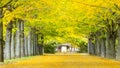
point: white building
(66, 48)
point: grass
(16, 60)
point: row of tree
(15, 42)
(60, 21)
(18, 44)
(105, 40)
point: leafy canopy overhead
(62, 20)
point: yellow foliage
(67, 60)
(61, 16)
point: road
(64, 61)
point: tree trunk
(118, 47)
(18, 47)
(110, 46)
(98, 47)
(32, 42)
(41, 47)
(8, 41)
(26, 46)
(97, 44)
(22, 39)
(103, 47)
(37, 48)
(1, 38)
(13, 46)
(29, 44)
(91, 48)
(35, 44)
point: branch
(117, 6)
(92, 5)
(6, 4)
(0, 1)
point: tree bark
(22, 39)
(29, 44)
(37, 48)
(35, 44)
(41, 49)
(91, 48)
(41, 46)
(103, 47)
(32, 42)
(26, 45)
(8, 41)
(18, 44)
(1, 38)
(110, 46)
(13, 46)
(118, 47)
(97, 44)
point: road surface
(64, 61)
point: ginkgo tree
(3, 4)
(37, 22)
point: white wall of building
(63, 49)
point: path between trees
(64, 61)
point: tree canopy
(62, 20)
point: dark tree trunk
(111, 34)
(37, 48)
(1, 31)
(103, 47)
(35, 44)
(22, 39)
(91, 48)
(118, 47)
(8, 41)
(1, 38)
(110, 46)
(18, 44)
(95, 48)
(13, 46)
(97, 44)
(98, 47)
(41, 47)
(32, 42)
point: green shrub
(49, 49)
(82, 47)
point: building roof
(66, 44)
